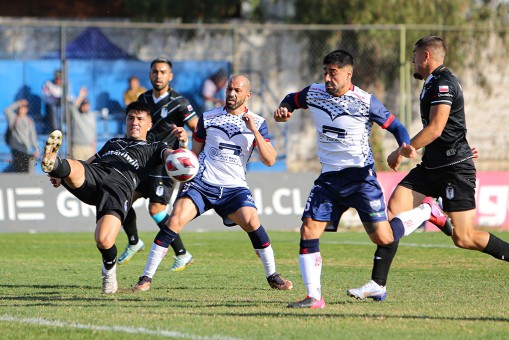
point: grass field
(51, 289)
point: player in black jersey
(169, 109)
(447, 169)
(109, 178)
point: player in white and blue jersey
(343, 115)
(224, 140)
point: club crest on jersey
(164, 112)
(449, 192)
(443, 89)
(375, 205)
(159, 190)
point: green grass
(50, 289)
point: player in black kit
(109, 178)
(447, 169)
(168, 108)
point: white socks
(155, 257)
(266, 255)
(412, 219)
(311, 271)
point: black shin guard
(109, 256)
(382, 262)
(130, 227)
(497, 248)
(178, 246)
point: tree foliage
(189, 11)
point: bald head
(241, 79)
(238, 91)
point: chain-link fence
(279, 59)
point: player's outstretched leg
(51, 150)
(438, 217)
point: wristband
(183, 144)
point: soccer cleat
(143, 284)
(181, 262)
(370, 290)
(110, 285)
(51, 150)
(308, 302)
(129, 252)
(278, 282)
(438, 217)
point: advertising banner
(28, 203)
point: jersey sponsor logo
(443, 88)
(331, 134)
(126, 156)
(227, 153)
(164, 112)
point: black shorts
(106, 189)
(455, 184)
(158, 187)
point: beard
(418, 76)
(332, 91)
(159, 87)
(236, 104)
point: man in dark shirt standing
(447, 169)
(169, 109)
(109, 178)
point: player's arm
(290, 103)
(438, 116)
(266, 151)
(386, 120)
(192, 123)
(199, 135)
(405, 149)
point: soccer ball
(182, 165)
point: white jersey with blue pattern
(343, 124)
(228, 147)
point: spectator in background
(21, 136)
(83, 128)
(213, 90)
(134, 90)
(51, 95)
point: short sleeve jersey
(343, 124)
(173, 109)
(133, 159)
(442, 88)
(228, 147)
